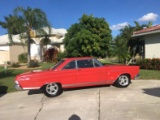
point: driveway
(140, 101)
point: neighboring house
(152, 41)
(55, 41)
(10, 52)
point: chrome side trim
(31, 88)
(86, 83)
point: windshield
(58, 64)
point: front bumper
(17, 86)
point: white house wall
(152, 46)
(35, 51)
(4, 54)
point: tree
(134, 45)
(23, 22)
(90, 37)
(34, 19)
(13, 25)
(120, 49)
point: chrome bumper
(136, 76)
(17, 86)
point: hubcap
(123, 80)
(52, 88)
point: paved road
(140, 101)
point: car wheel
(123, 81)
(52, 89)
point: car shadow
(32, 92)
(3, 90)
(152, 91)
(87, 87)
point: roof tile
(153, 28)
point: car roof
(78, 58)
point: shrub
(22, 58)
(14, 65)
(150, 64)
(50, 55)
(61, 55)
(8, 63)
(34, 63)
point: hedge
(150, 64)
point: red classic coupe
(76, 72)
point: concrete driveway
(140, 101)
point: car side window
(97, 63)
(70, 65)
(85, 63)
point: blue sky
(64, 13)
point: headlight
(16, 82)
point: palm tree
(140, 27)
(120, 49)
(13, 25)
(34, 19)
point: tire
(52, 89)
(123, 81)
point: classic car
(76, 72)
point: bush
(34, 63)
(150, 64)
(50, 55)
(14, 65)
(22, 58)
(61, 55)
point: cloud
(119, 26)
(149, 17)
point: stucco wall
(16, 50)
(152, 46)
(4, 54)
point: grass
(7, 79)
(149, 74)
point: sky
(64, 13)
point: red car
(76, 72)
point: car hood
(31, 73)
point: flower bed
(150, 64)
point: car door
(87, 73)
(68, 74)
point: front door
(87, 73)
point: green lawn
(7, 79)
(150, 74)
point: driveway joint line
(40, 108)
(99, 104)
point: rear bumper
(136, 76)
(17, 86)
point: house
(151, 37)
(10, 52)
(54, 38)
